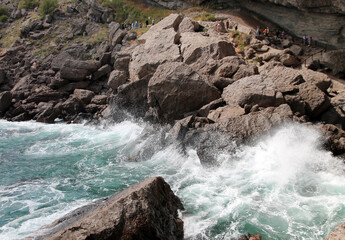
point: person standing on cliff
(258, 31)
(304, 40)
(310, 41)
(283, 34)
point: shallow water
(283, 187)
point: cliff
(323, 20)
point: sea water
(285, 186)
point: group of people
(266, 32)
(135, 25)
(307, 40)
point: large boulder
(156, 46)
(316, 101)
(76, 70)
(334, 60)
(188, 25)
(224, 136)
(198, 49)
(132, 97)
(84, 95)
(254, 90)
(176, 89)
(76, 51)
(146, 210)
(116, 79)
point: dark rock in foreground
(146, 210)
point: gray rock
(76, 70)
(176, 89)
(297, 50)
(99, 99)
(103, 71)
(251, 91)
(146, 210)
(84, 95)
(5, 101)
(116, 79)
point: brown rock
(224, 113)
(245, 71)
(116, 79)
(289, 60)
(99, 99)
(77, 70)
(338, 233)
(5, 101)
(205, 110)
(156, 46)
(84, 95)
(146, 210)
(176, 89)
(188, 25)
(316, 101)
(104, 70)
(251, 91)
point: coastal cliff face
(323, 20)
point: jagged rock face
(146, 210)
(326, 6)
(174, 4)
(323, 27)
(324, 20)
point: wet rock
(5, 101)
(176, 89)
(338, 233)
(72, 106)
(133, 97)
(336, 139)
(45, 95)
(146, 210)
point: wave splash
(283, 187)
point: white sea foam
(283, 187)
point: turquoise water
(283, 187)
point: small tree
(29, 4)
(47, 7)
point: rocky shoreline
(207, 90)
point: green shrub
(3, 18)
(3, 11)
(47, 7)
(205, 17)
(29, 4)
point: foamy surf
(283, 187)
